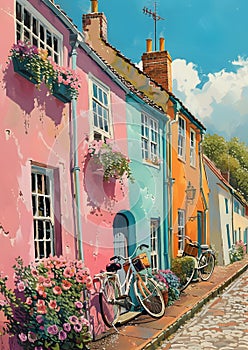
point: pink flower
(29, 301)
(66, 285)
(84, 321)
(52, 304)
(41, 307)
(69, 272)
(67, 327)
(77, 327)
(79, 305)
(22, 337)
(21, 286)
(32, 337)
(57, 290)
(62, 335)
(39, 318)
(73, 319)
(53, 329)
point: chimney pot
(94, 5)
(148, 45)
(161, 44)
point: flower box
(62, 92)
(20, 67)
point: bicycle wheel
(184, 269)
(109, 310)
(149, 296)
(206, 265)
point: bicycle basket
(191, 249)
(141, 262)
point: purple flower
(53, 329)
(77, 327)
(39, 318)
(22, 337)
(62, 335)
(78, 304)
(38, 348)
(73, 319)
(67, 327)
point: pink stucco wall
(35, 128)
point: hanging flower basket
(62, 92)
(22, 67)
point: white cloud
(221, 103)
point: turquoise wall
(148, 193)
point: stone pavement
(147, 333)
(222, 324)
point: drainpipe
(201, 188)
(166, 262)
(79, 234)
(170, 179)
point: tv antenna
(155, 17)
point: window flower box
(62, 92)
(23, 68)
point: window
(192, 147)
(149, 139)
(42, 202)
(30, 26)
(181, 229)
(100, 105)
(226, 205)
(181, 138)
(154, 230)
(228, 236)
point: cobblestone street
(222, 324)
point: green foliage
(45, 310)
(182, 267)
(114, 163)
(229, 156)
(237, 251)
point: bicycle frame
(126, 285)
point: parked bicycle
(145, 288)
(202, 263)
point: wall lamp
(190, 192)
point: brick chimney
(95, 23)
(157, 64)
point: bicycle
(201, 265)
(146, 291)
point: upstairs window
(226, 205)
(181, 138)
(32, 27)
(43, 220)
(100, 106)
(149, 139)
(192, 148)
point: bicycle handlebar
(120, 257)
(189, 239)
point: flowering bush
(46, 309)
(161, 281)
(113, 162)
(237, 251)
(173, 283)
(43, 68)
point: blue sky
(207, 42)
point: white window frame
(149, 139)
(192, 148)
(154, 232)
(100, 107)
(25, 33)
(181, 138)
(43, 218)
(181, 230)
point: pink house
(53, 201)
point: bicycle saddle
(113, 267)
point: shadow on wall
(25, 94)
